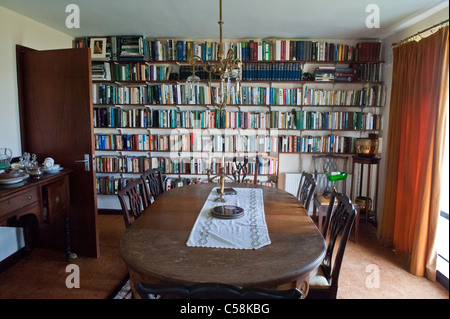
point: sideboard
(41, 207)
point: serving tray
(227, 212)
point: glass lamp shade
(336, 176)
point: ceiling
(320, 19)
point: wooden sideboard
(41, 207)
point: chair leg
(320, 221)
(357, 223)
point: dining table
(173, 241)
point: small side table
(369, 161)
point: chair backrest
(240, 169)
(213, 291)
(132, 200)
(329, 163)
(340, 217)
(306, 189)
(153, 182)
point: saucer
(52, 169)
(14, 180)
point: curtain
(418, 106)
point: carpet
(123, 290)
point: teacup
(49, 162)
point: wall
(18, 29)
(387, 78)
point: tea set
(26, 167)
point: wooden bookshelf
(144, 96)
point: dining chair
(322, 165)
(212, 291)
(240, 169)
(306, 189)
(338, 223)
(257, 166)
(153, 182)
(132, 200)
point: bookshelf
(295, 97)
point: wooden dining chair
(306, 189)
(132, 200)
(241, 169)
(322, 165)
(153, 182)
(212, 291)
(338, 223)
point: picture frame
(98, 48)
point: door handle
(85, 161)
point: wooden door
(55, 101)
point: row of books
(254, 71)
(122, 164)
(356, 72)
(122, 142)
(370, 72)
(185, 143)
(184, 94)
(255, 50)
(114, 94)
(251, 71)
(130, 71)
(232, 94)
(294, 119)
(135, 47)
(111, 185)
(189, 142)
(185, 165)
(374, 95)
(317, 144)
(368, 51)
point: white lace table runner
(247, 232)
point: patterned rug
(123, 290)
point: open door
(55, 102)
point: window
(442, 266)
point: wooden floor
(44, 275)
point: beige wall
(18, 29)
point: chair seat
(319, 281)
(322, 200)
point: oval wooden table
(155, 251)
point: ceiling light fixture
(225, 68)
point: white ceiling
(320, 19)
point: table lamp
(336, 176)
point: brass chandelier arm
(223, 67)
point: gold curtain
(418, 106)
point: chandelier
(225, 68)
